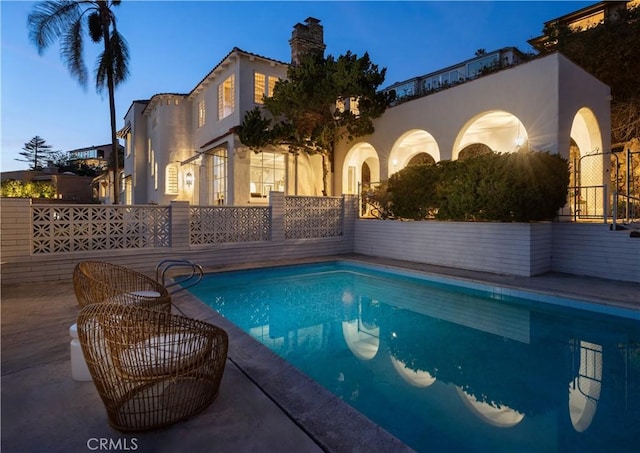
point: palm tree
(66, 20)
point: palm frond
(49, 20)
(71, 47)
(120, 54)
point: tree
(66, 20)
(322, 101)
(36, 153)
(611, 52)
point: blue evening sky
(173, 45)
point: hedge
(517, 187)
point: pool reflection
(453, 373)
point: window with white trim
(220, 176)
(263, 86)
(226, 97)
(268, 172)
(171, 179)
(202, 113)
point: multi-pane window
(172, 179)
(202, 113)
(220, 176)
(226, 97)
(263, 86)
(268, 171)
(259, 87)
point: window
(263, 86)
(272, 85)
(172, 179)
(259, 87)
(155, 177)
(219, 176)
(128, 192)
(226, 97)
(127, 143)
(353, 106)
(202, 113)
(267, 174)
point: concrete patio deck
(264, 404)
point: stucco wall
(504, 248)
(544, 94)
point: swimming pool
(448, 368)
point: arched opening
(361, 165)
(409, 146)
(498, 130)
(587, 161)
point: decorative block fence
(45, 242)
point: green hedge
(517, 187)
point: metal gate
(589, 199)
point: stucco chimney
(306, 38)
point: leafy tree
(68, 21)
(36, 153)
(323, 101)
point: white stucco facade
(184, 146)
(543, 104)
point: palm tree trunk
(106, 22)
(114, 139)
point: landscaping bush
(517, 187)
(30, 189)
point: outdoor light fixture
(519, 141)
(188, 179)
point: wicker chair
(151, 368)
(98, 282)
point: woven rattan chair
(151, 368)
(99, 282)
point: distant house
(583, 19)
(72, 187)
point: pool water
(443, 367)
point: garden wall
(506, 248)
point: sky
(174, 44)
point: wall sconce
(188, 179)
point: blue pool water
(447, 368)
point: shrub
(12, 188)
(518, 187)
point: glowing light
(188, 179)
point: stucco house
(183, 146)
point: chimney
(306, 38)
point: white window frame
(226, 97)
(171, 179)
(202, 113)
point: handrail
(196, 273)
